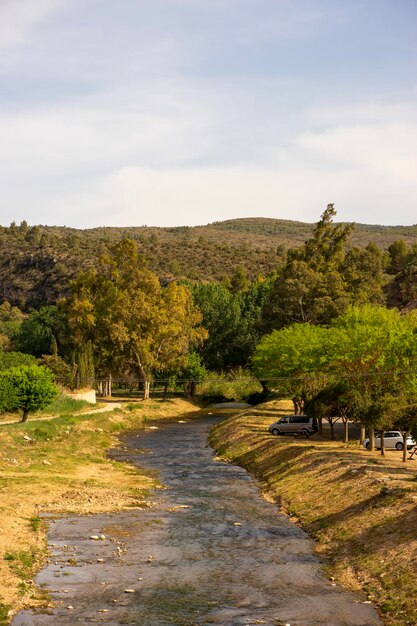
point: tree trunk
(382, 443)
(372, 439)
(265, 388)
(331, 424)
(320, 425)
(146, 389)
(362, 435)
(345, 431)
(25, 415)
(165, 391)
(193, 388)
(110, 385)
(404, 459)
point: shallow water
(208, 550)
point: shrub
(238, 384)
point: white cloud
(18, 17)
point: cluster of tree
(362, 367)
(37, 262)
(119, 318)
(322, 278)
(129, 321)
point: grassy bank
(60, 466)
(361, 509)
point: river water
(207, 550)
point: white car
(392, 439)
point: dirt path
(109, 407)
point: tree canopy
(130, 319)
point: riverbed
(204, 549)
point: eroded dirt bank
(208, 549)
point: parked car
(295, 424)
(392, 439)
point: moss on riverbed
(60, 466)
(361, 509)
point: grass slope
(360, 508)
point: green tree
(38, 333)
(192, 374)
(364, 274)
(239, 280)
(10, 320)
(130, 319)
(375, 350)
(15, 359)
(233, 322)
(63, 373)
(83, 365)
(31, 388)
(310, 288)
(332, 404)
(294, 360)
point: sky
(186, 112)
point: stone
(129, 591)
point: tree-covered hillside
(36, 262)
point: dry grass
(360, 508)
(60, 466)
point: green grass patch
(4, 614)
(23, 562)
(64, 405)
(36, 523)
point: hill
(37, 262)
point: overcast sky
(172, 112)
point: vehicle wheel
(305, 432)
(368, 446)
(275, 431)
(399, 446)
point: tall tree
(311, 286)
(130, 319)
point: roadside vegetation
(360, 508)
(60, 466)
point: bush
(29, 388)
(238, 384)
